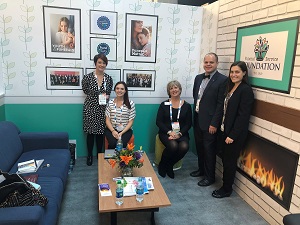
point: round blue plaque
(103, 48)
(103, 22)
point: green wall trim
(2, 113)
(68, 117)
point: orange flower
(130, 146)
(126, 159)
(112, 162)
(141, 160)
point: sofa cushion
(59, 160)
(52, 188)
(10, 145)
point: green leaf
(28, 29)
(176, 20)
(170, 20)
(8, 30)
(33, 64)
(7, 19)
(11, 65)
(176, 71)
(178, 32)
(31, 83)
(30, 19)
(173, 61)
(3, 6)
(139, 7)
(23, 8)
(24, 82)
(28, 39)
(174, 51)
(31, 74)
(33, 55)
(5, 42)
(24, 18)
(9, 87)
(177, 41)
(26, 54)
(6, 53)
(30, 9)
(12, 75)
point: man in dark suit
(208, 94)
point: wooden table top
(155, 199)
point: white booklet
(131, 183)
(29, 166)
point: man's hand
(212, 130)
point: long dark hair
(126, 98)
(244, 68)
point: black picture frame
(107, 46)
(139, 80)
(103, 22)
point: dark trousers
(90, 139)
(206, 145)
(231, 153)
(112, 141)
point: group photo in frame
(270, 67)
(107, 46)
(103, 22)
(141, 38)
(63, 78)
(62, 32)
(139, 80)
(114, 73)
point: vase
(127, 171)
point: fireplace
(270, 167)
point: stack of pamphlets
(29, 166)
(105, 189)
(132, 182)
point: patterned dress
(93, 112)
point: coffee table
(152, 202)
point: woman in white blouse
(119, 116)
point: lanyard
(178, 110)
(117, 112)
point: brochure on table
(131, 184)
(105, 189)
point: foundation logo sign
(261, 48)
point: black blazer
(163, 118)
(238, 111)
(211, 104)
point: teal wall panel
(68, 117)
(2, 112)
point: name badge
(167, 103)
(102, 99)
(175, 127)
(120, 127)
(197, 106)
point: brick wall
(238, 13)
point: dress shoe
(162, 170)
(196, 173)
(204, 182)
(170, 172)
(89, 160)
(221, 193)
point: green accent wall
(2, 113)
(68, 117)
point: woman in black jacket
(238, 105)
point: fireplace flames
(266, 178)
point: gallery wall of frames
(48, 48)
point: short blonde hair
(172, 84)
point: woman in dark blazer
(174, 119)
(238, 105)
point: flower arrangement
(127, 158)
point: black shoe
(162, 170)
(221, 193)
(204, 182)
(89, 160)
(196, 173)
(170, 172)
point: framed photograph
(103, 22)
(62, 32)
(107, 46)
(141, 38)
(270, 66)
(114, 73)
(139, 80)
(63, 78)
